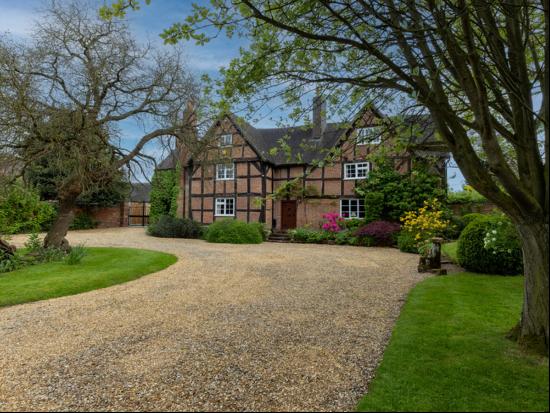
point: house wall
(254, 179)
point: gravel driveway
(257, 327)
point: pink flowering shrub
(379, 232)
(334, 222)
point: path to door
(228, 327)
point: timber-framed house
(248, 169)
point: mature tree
(477, 67)
(63, 93)
(46, 174)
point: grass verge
(100, 268)
(449, 249)
(448, 351)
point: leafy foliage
(261, 228)
(389, 194)
(334, 222)
(166, 226)
(75, 255)
(232, 231)
(466, 219)
(466, 196)
(164, 193)
(46, 174)
(426, 222)
(22, 211)
(382, 233)
(490, 244)
(309, 235)
(406, 242)
(83, 220)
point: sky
(17, 18)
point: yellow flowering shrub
(427, 222)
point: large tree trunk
(56, 234)
(532, 329)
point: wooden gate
(138, 214)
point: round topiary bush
(490, 244)
(233, 232)
(169, 227)
(466, 219)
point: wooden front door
(288, 214)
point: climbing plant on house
(164, 194)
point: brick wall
(108, 217)
(483, 208)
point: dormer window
(369, 136)
(226, 139)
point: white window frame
(224, 173)
(221, 207)
(353, 209)
(364, 135)
(358, 166)
(224, 139)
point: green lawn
(449, 249)
(101, 267)
(448, 351)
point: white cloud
(207, 62)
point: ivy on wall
(164, 194)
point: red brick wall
(463, 209)
(108, 217)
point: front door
(288, 214)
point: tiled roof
(141, 192)
(303, 148)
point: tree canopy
(478, 68)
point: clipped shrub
(83, 220)
(232, 231)
(167, 226)
(406, 242)
(381, 233)
(490, 244)
(264, 232)
(466, 219)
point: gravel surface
(281, 327)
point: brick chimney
(189, 131)
(319, 115)
(183, 148)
